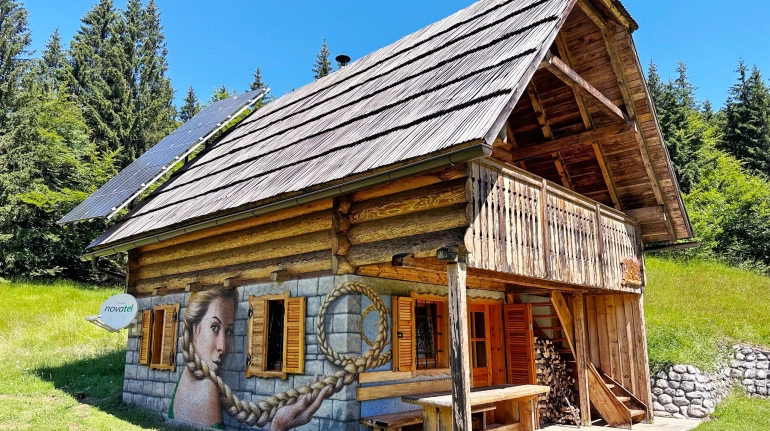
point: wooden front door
(480, 348)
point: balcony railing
(571, 239)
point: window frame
(155, 337)
(256, 354)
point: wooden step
(636, 415)
(623, 400)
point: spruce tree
(221, 93)
(16, 38)
(257, 84)
(322, 65)
(191, 106)
(53, 62)
(746, 129)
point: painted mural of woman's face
(212, 335)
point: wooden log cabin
(408, 225)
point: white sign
(116, 312)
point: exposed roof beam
(603, 134)
(585, 113)
(648, 214)
(607, 174)
(675, 246)
(566, 181)
(537, 105)
(556, 66)
(607, 29)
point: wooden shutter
(257, 336)
(165, 333)
(403, 334)
(520, 343)
(145, 337)
(294, 336)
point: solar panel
(150, 166)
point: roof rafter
(537, 105)
(585, 113)
(606, 134)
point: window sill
(267, 374)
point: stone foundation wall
(684, 391)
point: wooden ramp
(616, 405)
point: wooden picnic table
(513, 407)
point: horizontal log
(648, 214)
(308, 223)
(602, 135)
(409, 183)
(424, 245)
(242, 224)
(410, 224)
(434, 196)
(422, 276)
(251, 271)
(291, 246)
(397, 390)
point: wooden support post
(600, 245)
(458, 335)
(566, 181)
(607, 174)
(585, 113)
(537, 105)
(581, 358)
(641, 358)
(544, 228)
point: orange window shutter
(294, 336)
(520, 343)
(256, 336)
(403, 334)
(168, 334)
(145, 337)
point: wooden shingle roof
(448, 86)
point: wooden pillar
(581, 358)
(458, 334)
(644, 392)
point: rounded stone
(672, 408)
(696, 402)
(679, 416)
(670, 392)
(664, 399)
(674, 385)
(661, 375)
(680, 369)
(657, 391)
(697, 412)
(688, 386)
(763, 365)
(681, 401)
(694, 394)
(762, 382)
(747, 351)
(708, 404)
(751, 357)
(761, 356)
(656, 406)
(672, 376)
(761, 374)
(679, 393)
(687, 377)
(751, 389)
(762, 390)
(749, 365)
(692, 370)
(739, 356)
(661, 383)
(748, 382)
(750, 374)
(736, 373)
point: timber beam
(537, 106)
(606, 134)
(648, 214)
(560, 69)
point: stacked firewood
(559, 406)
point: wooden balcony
(570, 239)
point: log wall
(527, 226)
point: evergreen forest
(76, 113)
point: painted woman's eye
(229, 332)
(215, 328)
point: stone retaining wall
(684, 391)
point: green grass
(694, 307)
(48, 352)
(739, 412)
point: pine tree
(221, 93)
(746, 132)
(16, 38)
(191, 106)
(685, 129)
(53, 63)
(322, 65)
(257, 84)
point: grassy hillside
(48, 352)
(692, 307)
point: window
(420, 331)
(276, 336)
(157, 342)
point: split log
(559, 405)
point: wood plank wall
(571, 239)
(614, 342)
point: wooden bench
(397, 421)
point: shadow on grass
(100, 378)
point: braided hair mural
(204, 349)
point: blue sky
(213, 43)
